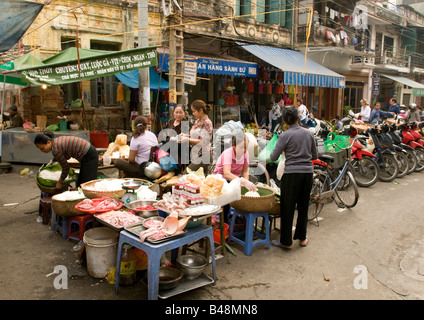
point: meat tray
(118, 229)
(137, 228)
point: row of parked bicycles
(371, 153)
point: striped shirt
(66, 147)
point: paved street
(373, 251)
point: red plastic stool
(78, 225)
(45, 209)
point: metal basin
(192, 265)
(143, 213)
(152, 218)
(169, 278)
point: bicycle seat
(326, 158)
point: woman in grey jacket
(298, 146)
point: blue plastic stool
(248, 242)
(60, 224)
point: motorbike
(409, 139)
(401, 154)
(410, 153)
(386, 157)
(364, 165)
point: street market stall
(181, 217)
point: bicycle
(333, 179)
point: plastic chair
(249, 232)
(77, 225)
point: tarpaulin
(16, 17)
(130, 79)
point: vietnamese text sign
(190, 72)
(92, 67)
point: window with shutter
(260, 8)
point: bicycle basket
(337, 144)
(340, 157)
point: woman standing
(65, 147)
(200, 137)
(299, 148)
(365, 111)
(141, 144)
(177, 125)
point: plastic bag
(265, 154)
(280, 167)
(168, 163)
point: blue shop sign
(216, 66)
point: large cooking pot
(152, 170)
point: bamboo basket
(92, 194)
(50, 190)
(66, 208)
(275, 211)
(264, 203)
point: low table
(155, 251)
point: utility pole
(176, 53)
(143, 73)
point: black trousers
(89, 165)
(295, 192)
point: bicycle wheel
(319, 185)
(365, 171)
(412, 161)
(347, 191)
(420, 159)
(403, 164)
(390, 172)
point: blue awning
(295, 71)
(215, 66)
(130, 79)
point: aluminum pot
(169, 278)
(142, 203)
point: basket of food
(47, 177)
(103, 188)
(64, 203)
(262, 200)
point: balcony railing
(389, 58)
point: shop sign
(190, 72)
(92, 67)
(418, 92)
(216, 66)
(376, 84)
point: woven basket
(50, 190)
(265, 203)
(275, 211)
(91, 194)
(66, 208)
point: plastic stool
(60, 224)
(248, 242)
(45, 209)
(78, 225)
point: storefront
(224, 83)
(291, 74)
(406, 91)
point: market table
(155, 251)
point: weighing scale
(130, 195)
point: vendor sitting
(14, 117)
(234, 162)
(141, 144)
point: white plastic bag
(280, 168)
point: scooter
(409, 139)
(401, 154)
(410, 153)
